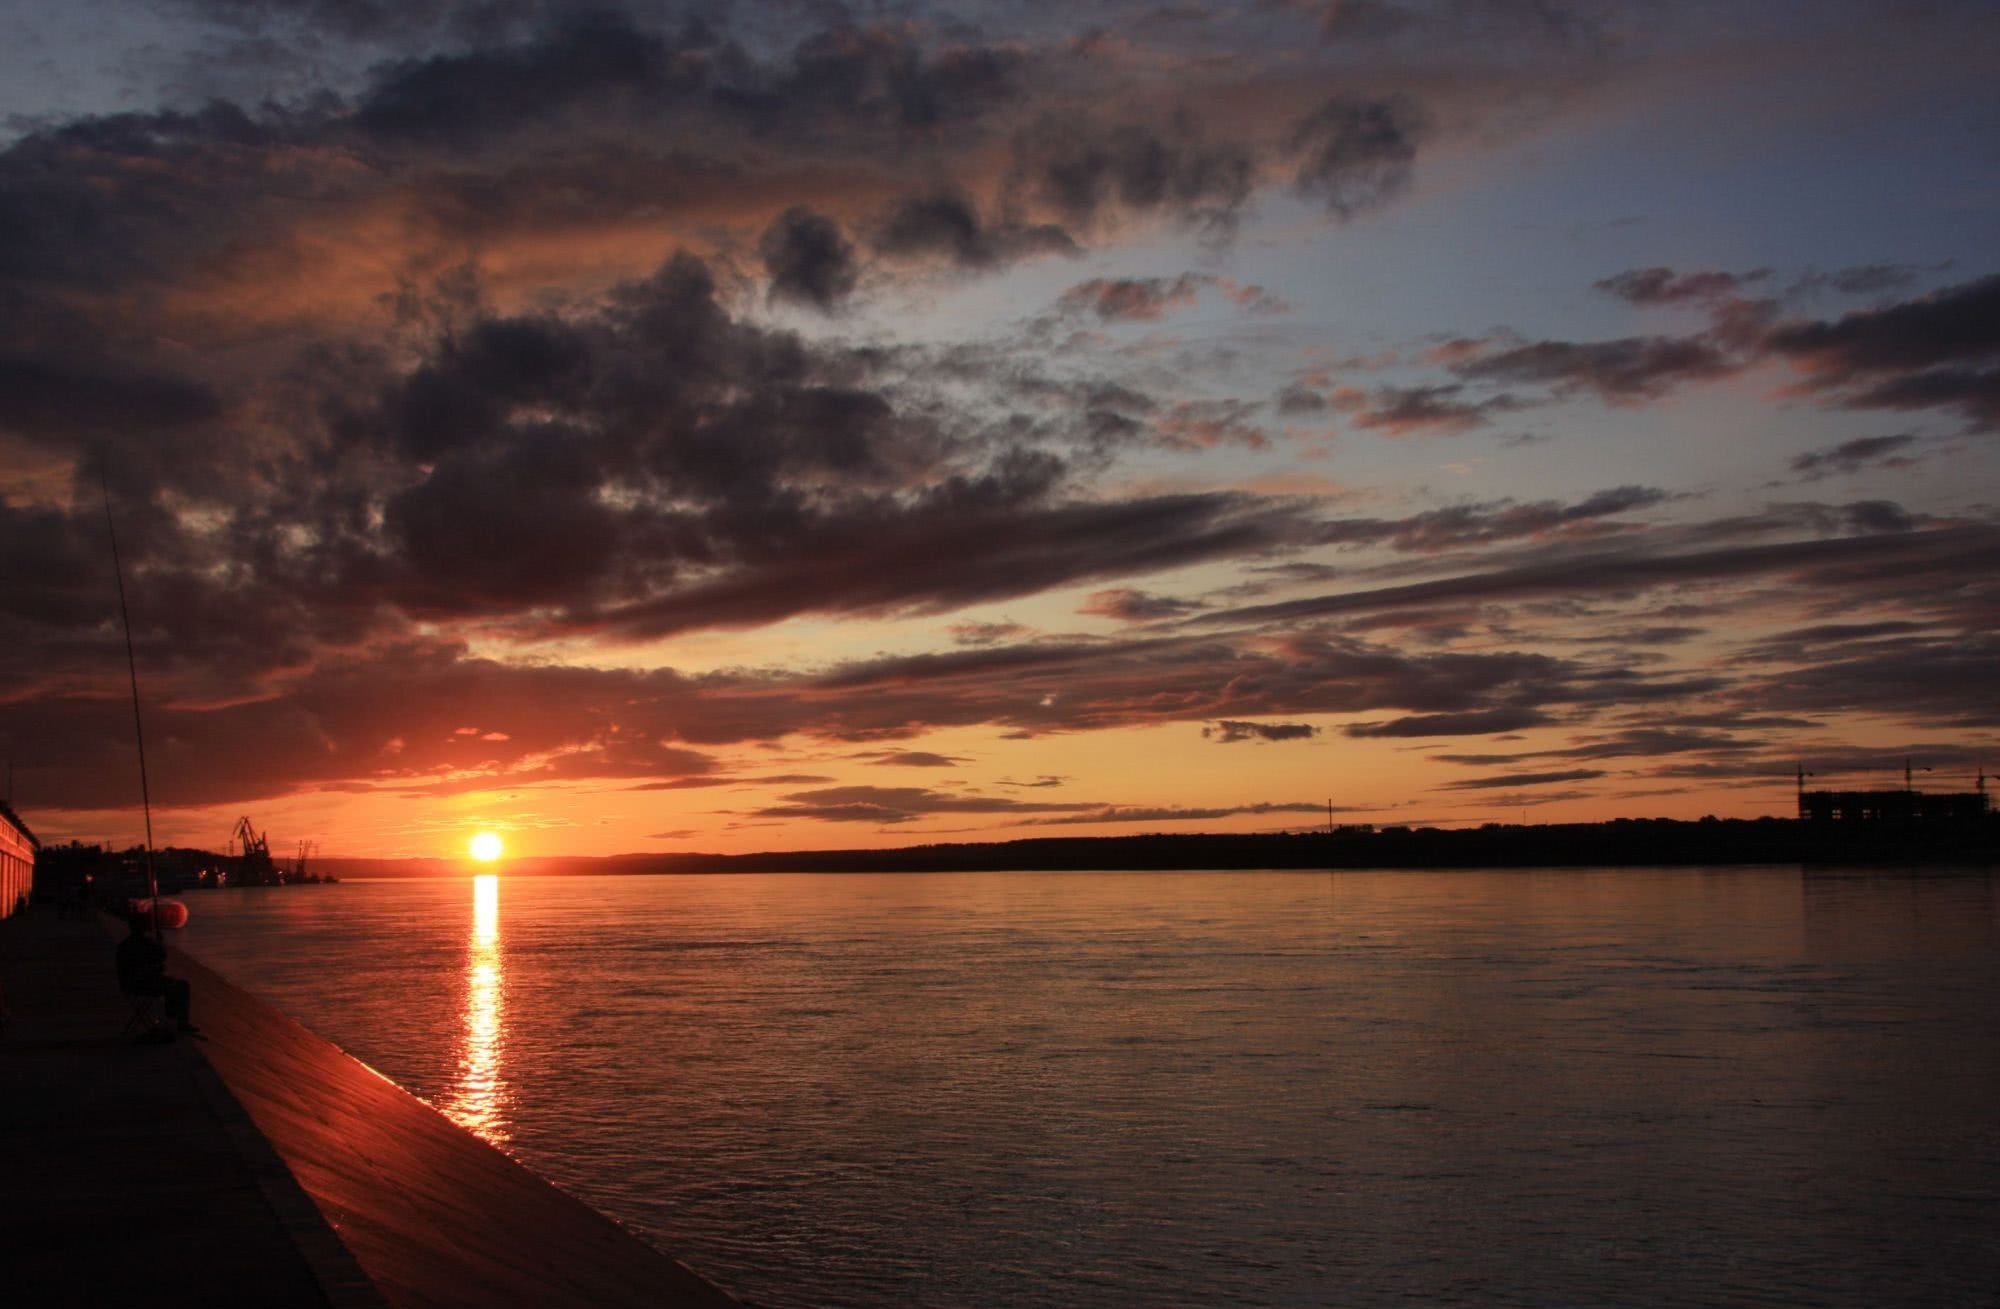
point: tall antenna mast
(138, 728)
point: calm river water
(1594, 1087)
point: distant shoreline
(1622, 842)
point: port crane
(252, 851)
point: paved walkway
(125, 1177)
(257, 1164)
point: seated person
(142, 970)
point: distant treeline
(1624, 841)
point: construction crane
(253, 856)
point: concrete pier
(258, 1164)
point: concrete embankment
(260, 1164)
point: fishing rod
(138, 727)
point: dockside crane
(253, 856)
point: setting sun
(486, 847)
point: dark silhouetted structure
(254, 865)
(17, 860)
(1908, 808)
(1892, 808)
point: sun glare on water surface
(486, 847)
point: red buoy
(172, 912)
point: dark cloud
(131, 200)
(1589, 26)
(1229, 731)
(458, 532)
(69, 401)
(1367, 20)
(947, 225)
(603, 64)
(398, 719)
(972, 633)
(898, 804)
(1954, 326)
(1130, 606)
(1853, 456)
(1415, 410)
(1623, 371)
(1935, 679)
(959, 546)
(881, 72)
(1939, 351)
(808, 259)
(1948, 553)
(1299, 401)
(1880, 516)
(1836, 643)
(379, 361)
(1459, 526)
(596, 57)
(375, 19)
(1082, 685)
(1632, 636)
(1115, 415)
(1084, 169)
(389, 720)
(1659, 286)
(1355, 154)
(1175, 814)
(915, 759)
(893, 805)
(1477, 723)
(1799, 637)
(1646, 742)
(662, 395)
(1521, 779)
(1864, 279)
(556, 127)
(645, 464)
(1973, 392)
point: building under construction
(1905, 808)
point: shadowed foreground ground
(296, 1176)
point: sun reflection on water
(479, 1097)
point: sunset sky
(689, 426)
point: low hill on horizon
(1624, 841)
